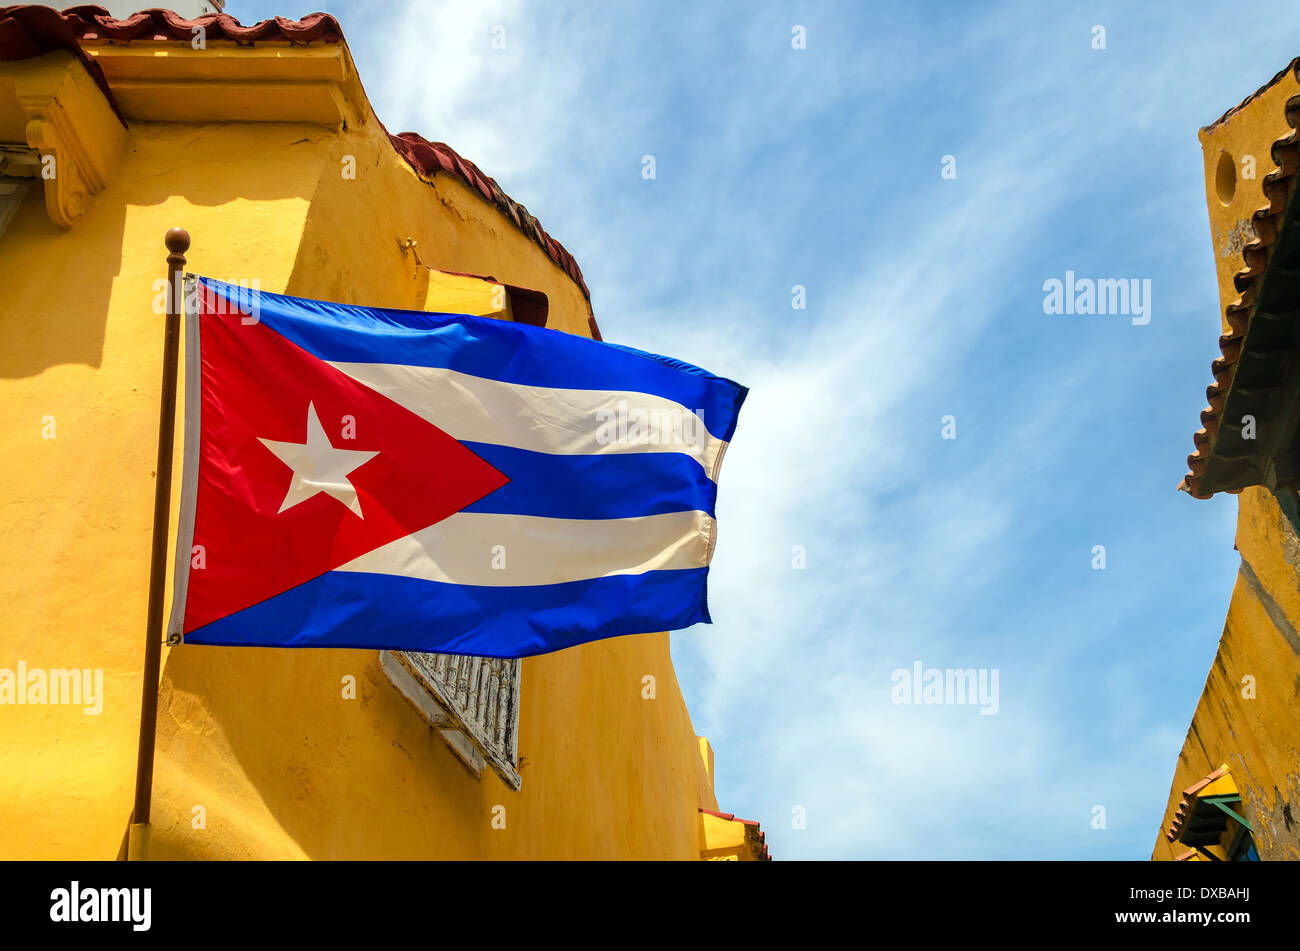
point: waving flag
(358, 477)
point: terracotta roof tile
(1267, 221)
(27, 31)
(1184, 810)
(95, 23)
(429, 158)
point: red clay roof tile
(1184, 810)
(1266, 220)
(429, 158)
(95, 23)
(29, 31)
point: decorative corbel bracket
(75, 136)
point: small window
(453, 292)
(473, 703)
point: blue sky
(821, 167)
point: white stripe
(463, 548)
(189, 465)
(541, 418)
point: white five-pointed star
(318, 466)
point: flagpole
(177, 241)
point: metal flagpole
(137, 849)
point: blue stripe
(495, 349)
(616, 485)
(351, 609)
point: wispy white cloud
(917, 548)
(494, 80)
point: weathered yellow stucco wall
(1249, 713)
(1237, 154)
(262, 739)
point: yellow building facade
(1237, 781)
(262, 144)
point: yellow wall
(1259, 737)
(262, 738)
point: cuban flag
(369, 478)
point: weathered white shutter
(473, 702)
